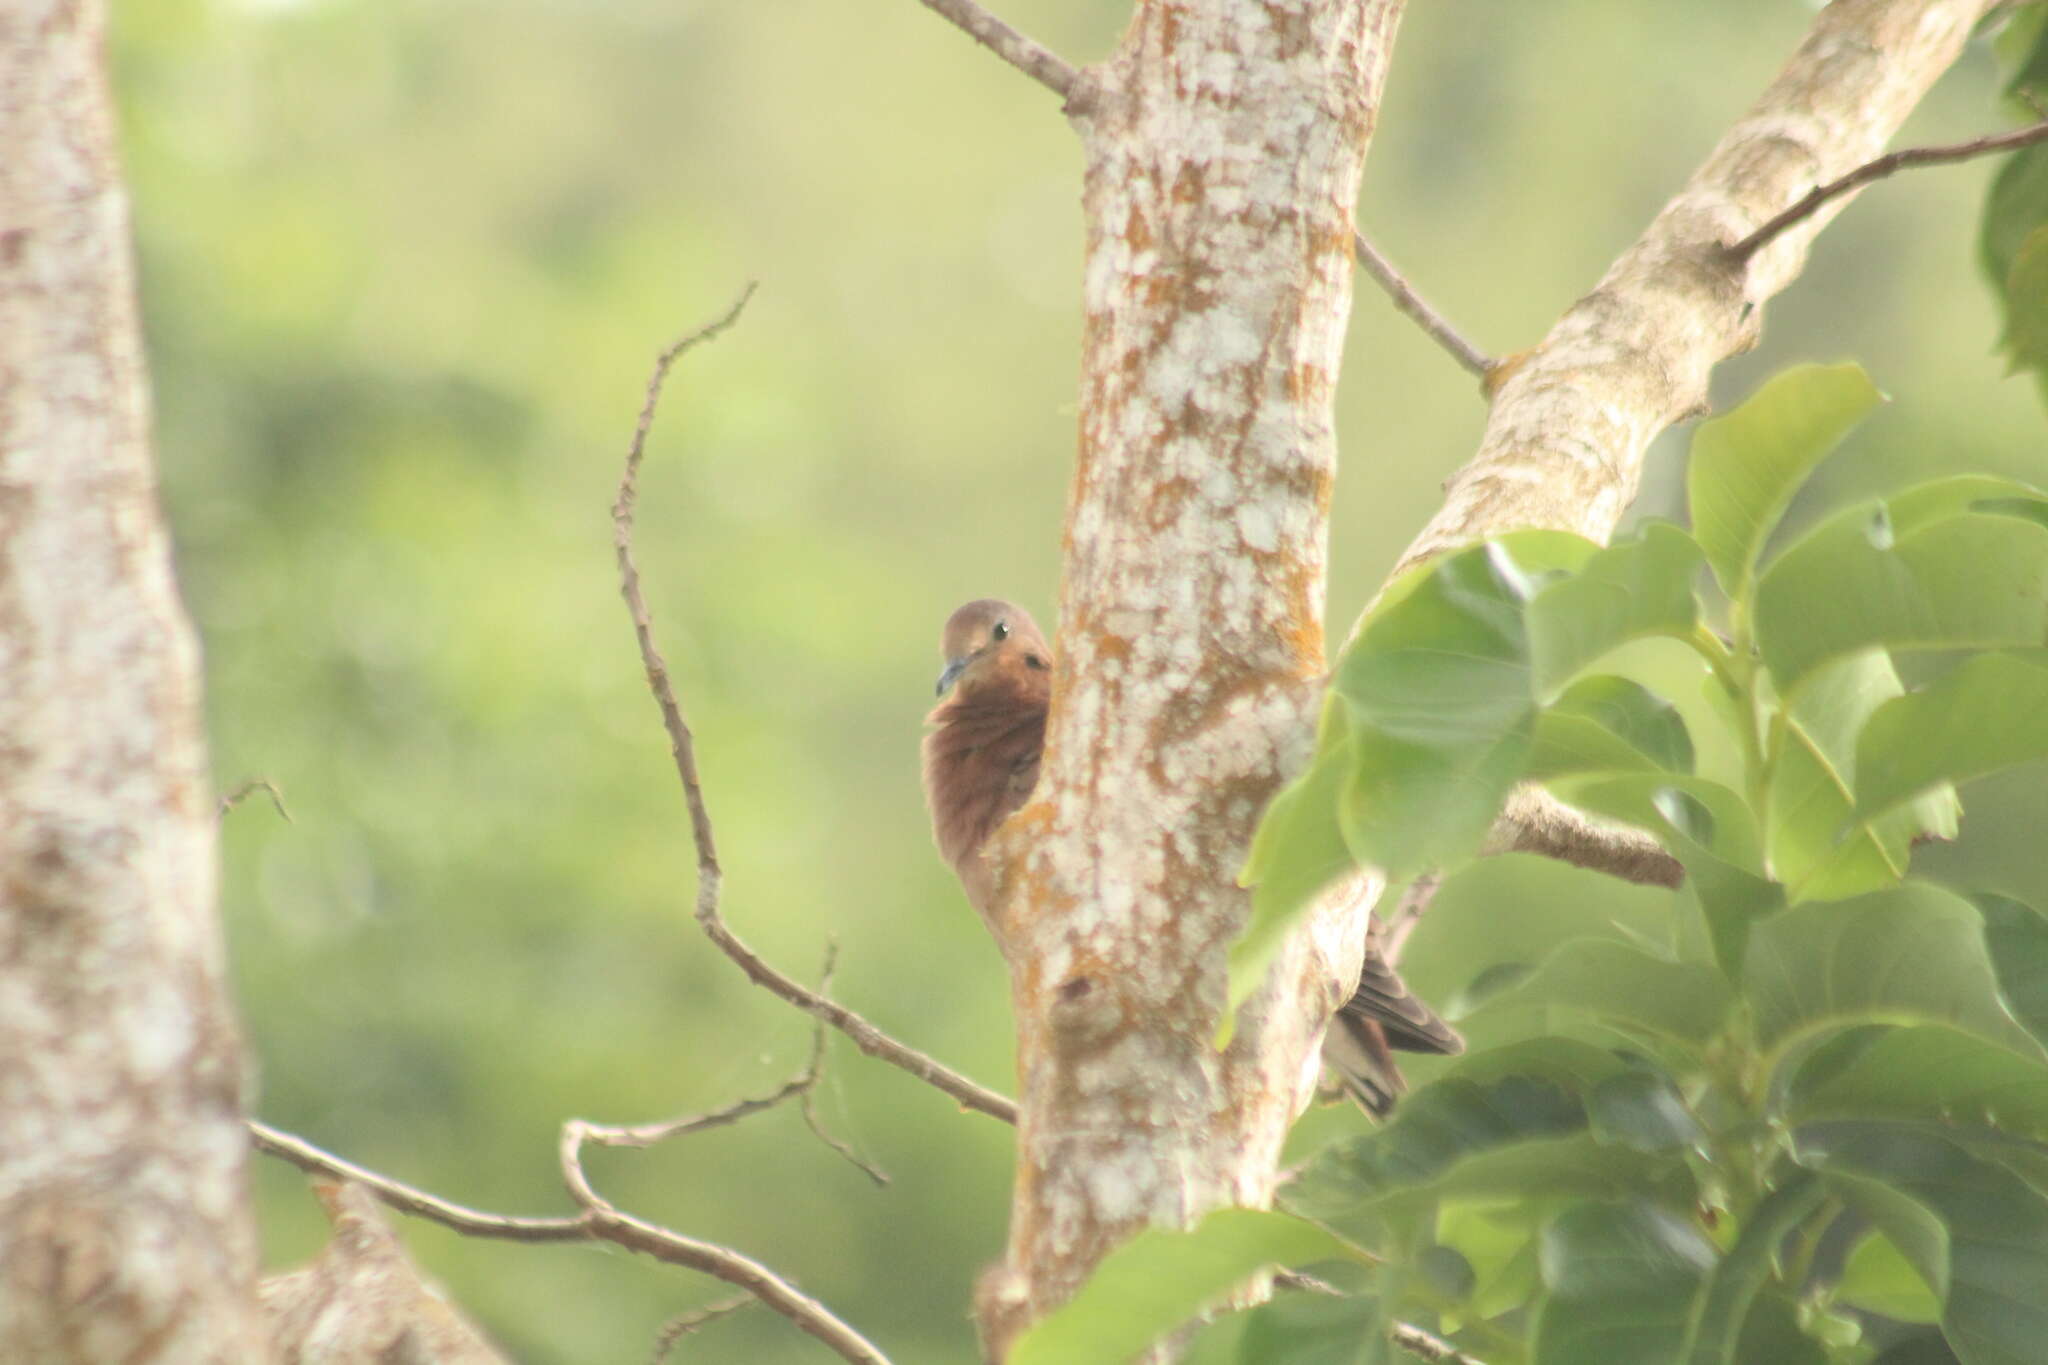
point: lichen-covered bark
(1225, 142)
(124, 1230)
(1565, 441)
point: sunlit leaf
(1746, 466)
(1637, 587)
(1609, 723)
(1879, 1279)
(1298, 850)
(1818, 845)
(1912, 955)
(1986, 714)
(1976, 580)
(1159, 1280)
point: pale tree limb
(1570, 425)
(1224, 146)
(1573, 419)
(125, 1227)
(682, 747)
(1878, 169)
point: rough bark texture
(363, 1300)
(124, 1229)
(1565, 441)
(1224, 142)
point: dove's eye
(1000, 631)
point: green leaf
(2017, 936)
(2026, 304)
(1441, 705)
(1879, 1279)
(1638, 587)
(1309, 1329)
(1159, 1280)
(1298, 850)
(1620, 1281)
(1746, 466)
(1642, 1109)
(1818, 846)
(1498, 1123)
(1912, 955)
(1988, 713)
(1933, 1071)
(1994, 1311)
(1624, 986)
(1731, 901)
(1605, 723)
(1716, 1328)
(1916, 1230)
(1977, 580)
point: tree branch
(1878, 169)
(1408, 302)
(600, 1220)
(1038, 62)
(1572, 420)
(682, 747)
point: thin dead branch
(1878, 169)
(682, 1324)
(1035, 60)
(1413, 306)
(600, 1220)
(249, 788)
(682, 746)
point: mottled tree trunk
(1225, 142)
(125, 1233)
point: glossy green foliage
(2014, 241)
(1661, 1124)
(1159, 1280)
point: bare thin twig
(682, 1324)
(864, 1035)
(637, 1234)
(1417, 1342)
(412, 1199)
(1877, 170)
(249, 788)
(601, 1221)
(1035, 60)
(1407, 301)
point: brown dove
(981, 761)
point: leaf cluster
(1800, 1116)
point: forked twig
(682, 747)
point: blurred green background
(404, 270)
